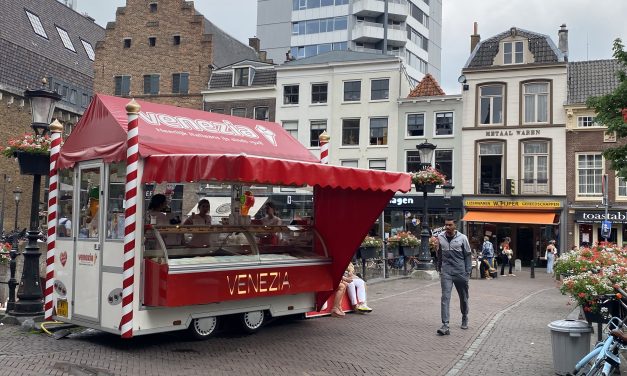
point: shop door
(88, 256)
(525, 244)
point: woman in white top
(156, 209)
(202, 218)
(550, 255)
(270, 219)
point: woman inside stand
(271, 219)
(200, 219)
(156, 210)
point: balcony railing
(491, 186)
(534, 186)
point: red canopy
(183, 145)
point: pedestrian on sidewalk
(454, 264)
(487, 251)
(550, 254)
(507, 256)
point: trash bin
(571, 342)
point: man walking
(454, 264)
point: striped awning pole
(56, 129)
(130, 218)
(324, 147)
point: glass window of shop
(444, 163)
(412, 161)
(585, 234)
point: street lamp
(424, 256)
(448, 191)
(29, 293)
(17, 195)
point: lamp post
(6, 180)
(448, 191)
(424, 256)
(17, 196)
(29, 293)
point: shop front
(530, 224)
(587, 226)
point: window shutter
(154, 84)
(126, 85)
(147, 84)
(118, 85)
(184, 88)
(176, 83)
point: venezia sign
(512, 204)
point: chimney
(254, 43)
(562, 36)
(474, 38)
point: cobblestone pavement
(508, 320)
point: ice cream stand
(120, 272)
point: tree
(609, 113)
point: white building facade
(410, 29)
(351, 95)
(513, 142)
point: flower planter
(614, 309)
(429, 188)
(32, 163)
(369, 252)
(408, 251)
(394, 251)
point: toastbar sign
(512, 204)
(599, 216)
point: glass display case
(225, 245)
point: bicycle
(604, 358)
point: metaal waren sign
(512, 204)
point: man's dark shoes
(464, 323)
(444, 330)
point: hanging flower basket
(426, 180)
(369, 252)
(33, 164)
(409, 251)
(429, 188)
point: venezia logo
(63, 258)
(243, 284)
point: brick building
(163, 51)
(40, 39)
(585, 165)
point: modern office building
(410, 29)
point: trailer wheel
(204, 327)
(252, 321)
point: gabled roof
(540, 45)
(427, 87)
(592, 78)
(230, 50)
(340, 57)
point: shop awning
(539, 218)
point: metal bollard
(533, 266)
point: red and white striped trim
(56, 129)
(324, 147)
(130, 218)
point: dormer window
(242, 77)
(513, 52)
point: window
(153, 7)
(377, 164)
(315, 130)
(262, 113)
(176, 40)
(419, 39)
(217, 110)
(122, 85)
(419, 15)
(622, 189)
(290, 94)
(322, 25)
(491, 110)
(379, 89)
(180, 83)
(350, 163)
(319, 93)
(350, 132)
(242, 77)
(535, 167)
(415, 62)
(412, 161)
(379, 131)
(443, 123)
(238, 111)
(586, 121)
(352, 91)
(517, 53)
(65, 38)
(35, 22)
(589, 172)
(151, 84)
(89, 50)
(73, 96)
(291, 127)
(444, 163)
(85, 100)
(415, 125)
(536, 102)
(315, 49)
(490, 167)
(127, 42)
(152, 41)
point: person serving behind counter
(202, 218)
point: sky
(592, 25)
